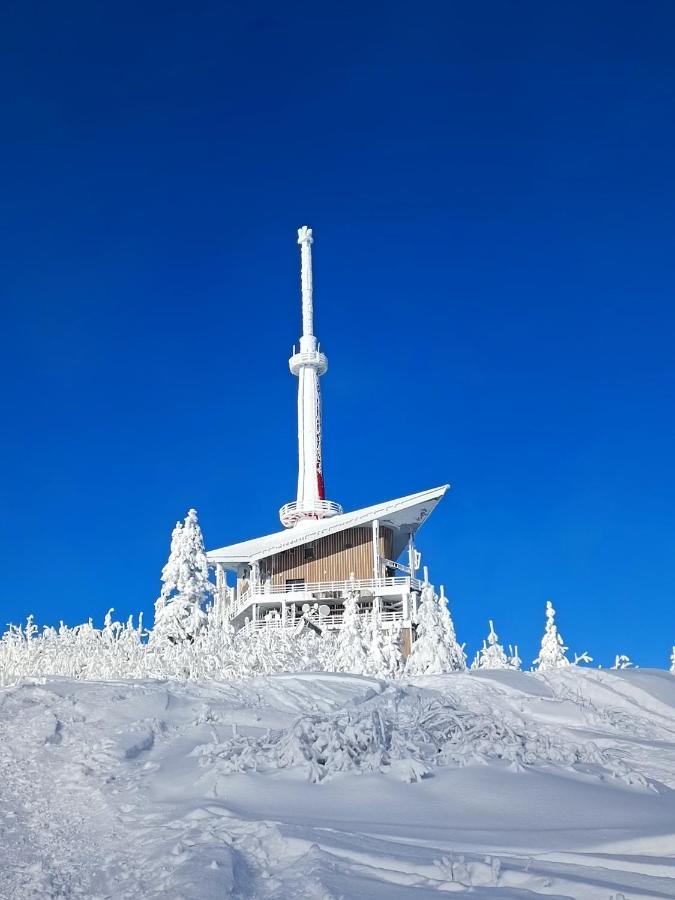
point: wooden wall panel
(335, 557)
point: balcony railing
(332, 621)
(314, 359)
(293, 512)
(310, 591)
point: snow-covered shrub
(113, 651)
(179, 609)
(406, 734)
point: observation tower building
(302, 574)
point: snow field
(496, 784)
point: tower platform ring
(294, 512)
(308, 359)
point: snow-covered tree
(351, 651)
(435, 649)
(179, 610)
(621, 661)
(515, 662)
(552, 652)
(457, 653)
(492, 655)
(392, 651)
(218, 611)
(375, 641)
(672, 660)
(383, 651)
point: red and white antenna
(309, 364)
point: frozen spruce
(375, 641)
(552, 652)
(383, 651)
(179, 610)
(515, 662)
(392, 651)
(457, 653)
(351, 650)
(621, 661)
(435, 649)
(672, 660)
(492, 655)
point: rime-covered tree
(351, 651)
(179, 610)
(672, 660)
(552, 652)
(492, 655)
(383, 651)
(435, 649)
(375, 641)
(218, 611)
(392, 651)
(621, 661)
(457, 653)
(515, 662)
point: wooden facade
(331, 558)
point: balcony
(308, 359)
(329, 623)
(316, 591)
(294, 512)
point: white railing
(332, 621)
(293, 512)
(309, 591)
(314, 359)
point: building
(305, 571)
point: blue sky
(491, 187)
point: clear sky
(492, 191)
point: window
(309, 552)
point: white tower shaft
(309, 364)
(310, 473)
(306, 240)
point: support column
(376, 550)
(221, 582)
(411, 554)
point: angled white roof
(403, 516)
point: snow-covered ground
(494, 784)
